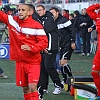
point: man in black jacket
(85, 23)
(67, 41)
(49, 54)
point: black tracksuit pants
(47, 69)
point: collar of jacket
(47, 14)
(59, 16)
(25, 20)
(85, 15)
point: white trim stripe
(33, 31)
(40, 32)
(66, 24)
(64, 54)
(49, 47)
(28, 31)
(14, 23)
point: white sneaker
(57, 90)
(88, 54)
(40, 97)
(3, 75)
(82, 54)
(45, 91)
(62, 82)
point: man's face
(40, 11)
(84, 11)
(23, 11)
(63, 12)
(55, 14)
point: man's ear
(28, 12)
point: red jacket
(28, 32)
(66, 15)
(96, 17)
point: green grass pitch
(81, 66)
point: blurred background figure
(77, 27)
(65, 13)
(85, 23)
(71, 18)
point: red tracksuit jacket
(96, 17)
(22, 32)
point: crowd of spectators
(50, 1)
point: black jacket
(66, 30)
(85, 19)
(93, 26)
(51, 30)
(76, 23)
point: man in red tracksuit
(96, 62)
(27, 40)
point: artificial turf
(81, 66)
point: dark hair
(77, 13)
(67, 11)
(41, 6)
(71, 15)
(54, 8)
(32, 6)
(24, 2)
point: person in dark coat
(76, 24)
(67, 42)
(49, 54)
(85, 23)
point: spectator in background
(85, 23)
(2, 75)
(71, 18)
(65, 13)
(76, 24)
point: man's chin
(21, 18)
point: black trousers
(1, 71)
(86, 42)
(47, 69)
(66, 69)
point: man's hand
(90, 29)
(46, 51)
(73, 46)
(85, 24)
(63, 62)
(25, 47)
(81, 25)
